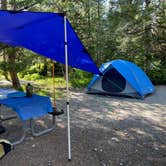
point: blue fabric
(43, 33)
(135, 76)
(103, 68)
(6, 93)
(16, 94)
(29, 107)
(131, 72)
(10, 93)
(94, 79)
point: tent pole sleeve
(67, 88)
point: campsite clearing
(105, 131)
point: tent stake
(67, 89)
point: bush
(33, 77)
(79, 78)
(158, 76)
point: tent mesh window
(113, 81)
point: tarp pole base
(68, 128)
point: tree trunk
(12, 68)
(98, 30)
(3, 4)
(5, 72)
(147, 42)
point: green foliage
(5, 66)
(158, 76)
(79, 78)
(140, 34)
(27, 72)
(33, 77)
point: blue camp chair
(5, 147)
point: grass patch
(44, 86)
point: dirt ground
(105, 131)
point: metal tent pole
(67, 88)
(53, 80)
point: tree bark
(12, 68)
(5, 72)
(98, 29)
(3, 4)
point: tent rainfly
(50, 35)
(122, 78)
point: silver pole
(67, 89)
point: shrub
(33, 77)
(79, 78)
(158, 76)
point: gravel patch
(105, 131)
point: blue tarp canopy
(43, 33)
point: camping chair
(29, 109)
(5, 147)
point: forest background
(133, 30)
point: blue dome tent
(123, 78)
